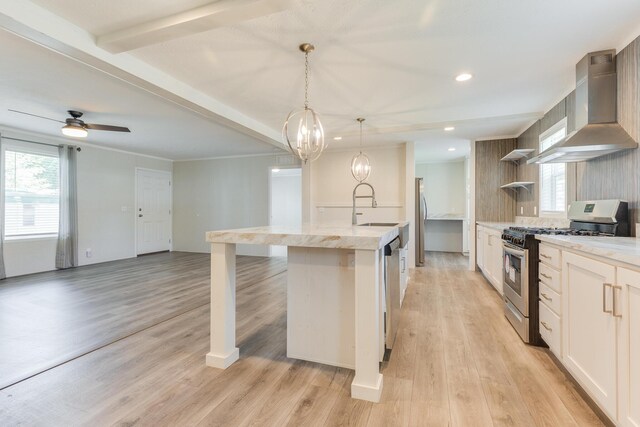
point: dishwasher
(391, 290)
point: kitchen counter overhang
(311, 236)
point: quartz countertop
(621, 249)
(496, 225)
(339, 236)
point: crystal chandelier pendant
(360, 167)
(308, 140)
(360, 164)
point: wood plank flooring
(457, 362)
(49, 318)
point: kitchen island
(331, 269)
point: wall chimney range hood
(597, 132)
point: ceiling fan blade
(35, 115)
(93, 126)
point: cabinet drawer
(550, 329)
(550, 277)
(550, 298)
(550, 256)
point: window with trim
(553, 176)
(31, 192)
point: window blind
(553, 178)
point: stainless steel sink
(403, 232)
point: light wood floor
(457, 362)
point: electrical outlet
(521, 210)
(88, 252)
(123, 208)
(321, 210)
(535, 211)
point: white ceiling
(437, 150)
(42, 82)
(391, 62)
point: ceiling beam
(214, 15)
(47, 29)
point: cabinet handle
(545, 296)
(545, 275)
(545, 256)
(604, 297)
(615, 301)
(546, 326)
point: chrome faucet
(354, 218)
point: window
(553, 175)
(31, 192)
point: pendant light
(308, 142)
(360, 165)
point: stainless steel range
(520, 253)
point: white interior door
(153, 211)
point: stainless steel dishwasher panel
(392, 291)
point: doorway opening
(285, 201)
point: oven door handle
(513, 251)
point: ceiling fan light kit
(74, 131)
(75, 127)
(308, 142)
(360, 164)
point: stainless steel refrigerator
(421, 220)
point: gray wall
(220, 194)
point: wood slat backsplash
(616, 176)
(492, 202)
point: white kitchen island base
(321, 306)
(367, 244)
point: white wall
(332, 186)
(220, 194)
(445, 187)
(106, 185)
(286, 202)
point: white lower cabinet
(480, 236)
(589, 336)
(628, 308)
(489, 255)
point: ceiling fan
(74, 126)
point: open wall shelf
(518, 184)
(516, 155)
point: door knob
(139, 215)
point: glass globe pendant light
(308, 141)
(360, 165)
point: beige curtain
(67, 248)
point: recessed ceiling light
(275, 170)
(337, 138)
(452, 149)
(463, 77)
(449, 128)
